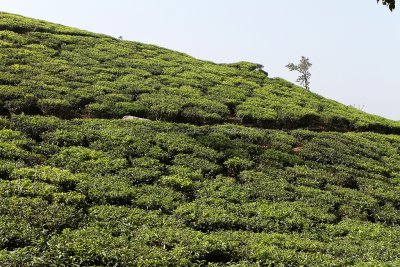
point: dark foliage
(390, 3)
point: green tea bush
(106, 190)
(235, 165)
(81, 159)
(206, 167)
(34, 126)
(178, 183)
(152, 197)
(61, 178)
(55, 107)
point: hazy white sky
(354, 45)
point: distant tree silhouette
(390, 3)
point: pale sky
(354, 45)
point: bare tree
(304, 68)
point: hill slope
(55, 70)
(82, 189)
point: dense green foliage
(55, 70)
(79, 187)
(114, 192)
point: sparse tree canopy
(304, 68)
(390, 3)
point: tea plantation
(230, 167)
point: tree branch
(390, 3)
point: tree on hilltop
(304, 69)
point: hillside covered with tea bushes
(230, 167)
(49, 69)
